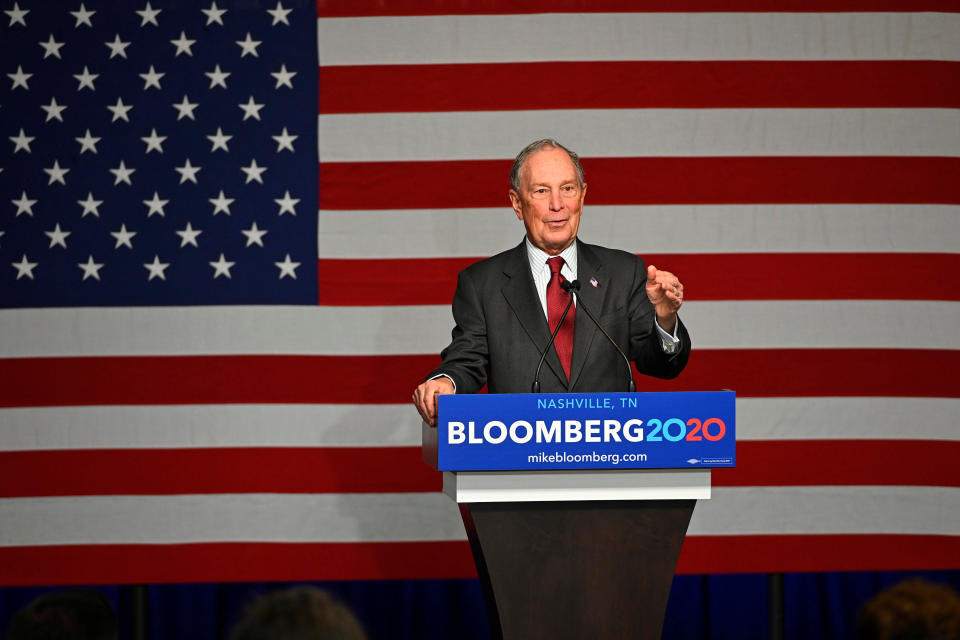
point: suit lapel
(589, 269)
(521, 295)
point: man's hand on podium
(425, 397)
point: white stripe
(483, 135)
(398, 425)
(636, 36)
(828, 510)
(370, 517)
(223, 330)
(191, 426)
(643, 229)
(823, 324)
(847, 419)
(743, 324)
(433, 516)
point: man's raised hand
(666, 295)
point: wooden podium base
(585, 569)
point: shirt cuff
(452, 381)
(669, 343)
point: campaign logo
(583, 431)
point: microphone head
(570, 286)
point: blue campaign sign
(586, 431)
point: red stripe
(358, 8)
(749, 554)
(641, 84)
(842, 462)
(706, 180)
(759, 276)
(400, 469)
(220, 470)
(233, 562)
(390, 379)
(249, 562)
(400, 281)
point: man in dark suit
(506, 307)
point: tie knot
(555, 264)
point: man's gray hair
(533, 147)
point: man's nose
(556, 201)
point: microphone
(574, 287)
(535, 387)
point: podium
(561, 552)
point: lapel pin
(594, 282)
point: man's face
(550, 200)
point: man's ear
(515, 203)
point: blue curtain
(714, 607)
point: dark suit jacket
(501, 330)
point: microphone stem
(535, 388)
(581, 305)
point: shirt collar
(538, 257)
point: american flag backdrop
(230, 232)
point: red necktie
(557, 300)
